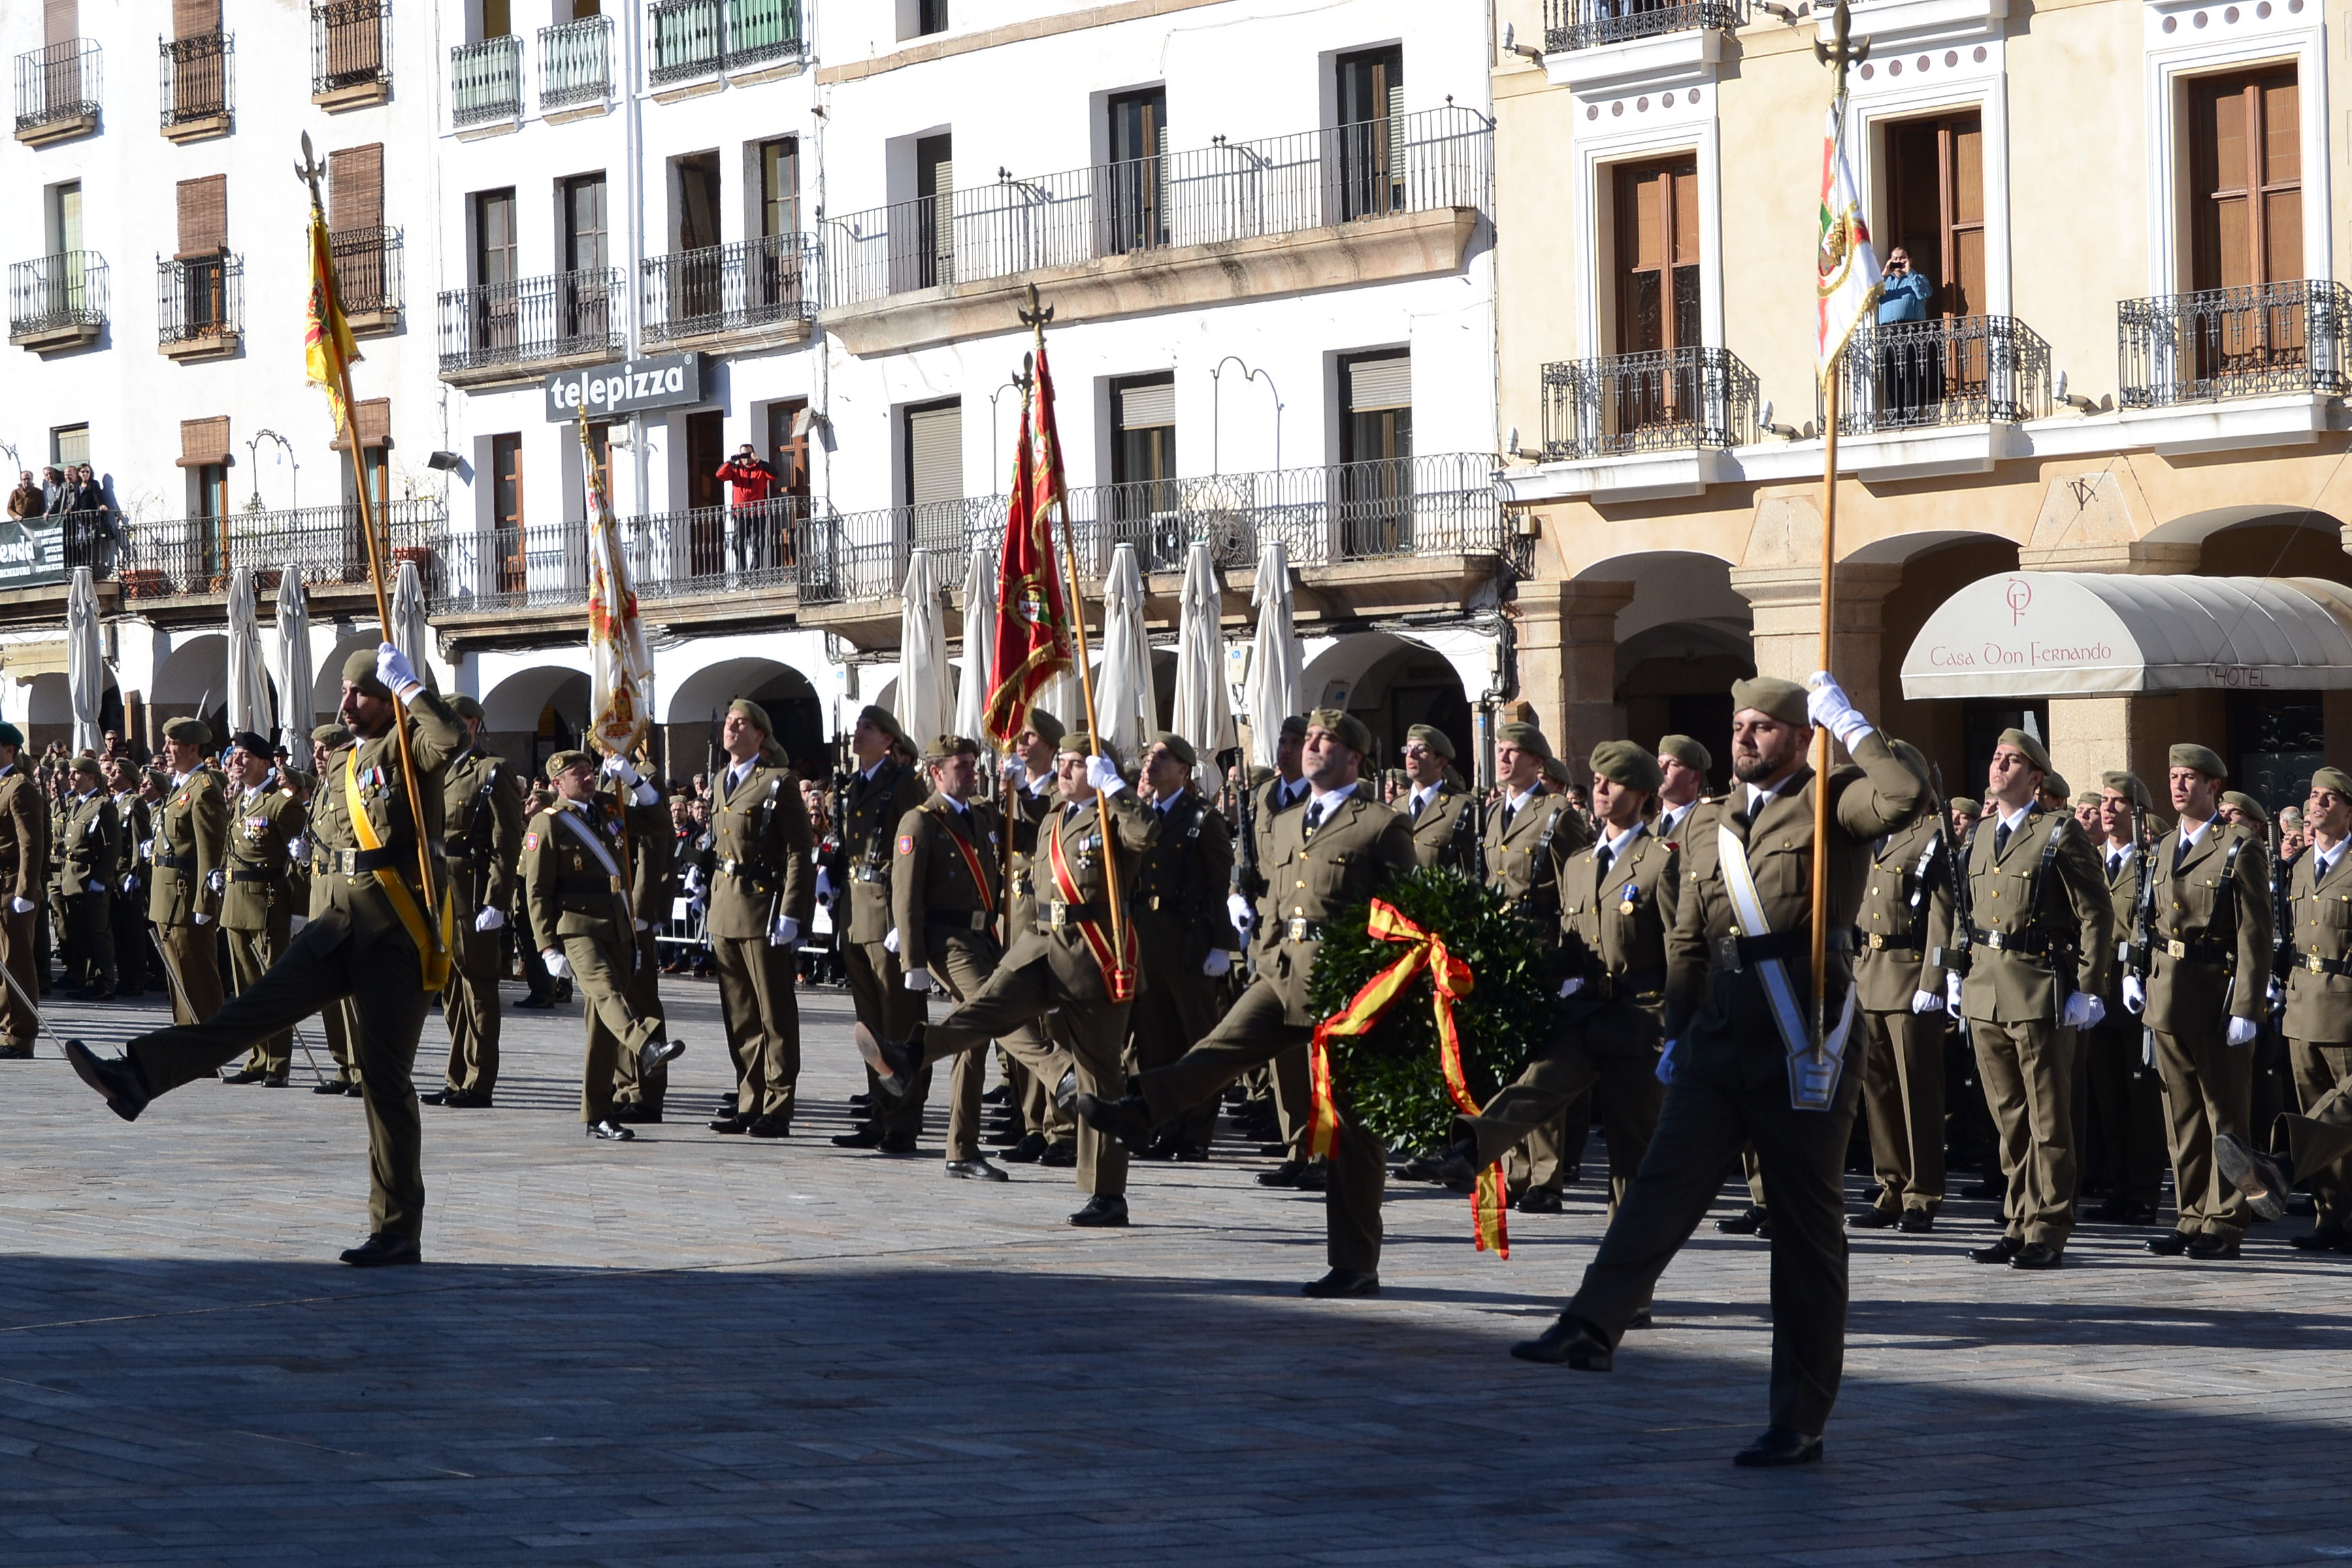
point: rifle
(1477, 813)
(2142, 943)
(2281, 917)
(1955, 958)
(1248, 880)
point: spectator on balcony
(749, 482)
(1910, 364)
(56, 492)
(89, 528)
(26, 500)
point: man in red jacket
(751, 525)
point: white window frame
(1600, 147)
(1873, 106)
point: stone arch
(1391, 682)
(327, 675)
(789, 696)
(535, 712)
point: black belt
(353, 862)
(2027, 941)
(746, 871)
(2199, 950)
(1737, 953)
(174, 862)
(254, 875)
(588, 884)
(2312, 963)
(1057, 915)
(970, 920)
(1907, 944)
(1633, 982)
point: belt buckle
(1058, 915)
(2176, 948)
(980, 919)
(1877, 941)
(2315, 964)
(1726, 950)
(1297, 928)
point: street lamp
(1010, 384)
(1216, 432)
(253, 460)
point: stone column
(1788, 627)
(1567, 662)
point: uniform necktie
(1413, 811)
(1314, 818)
(2115, 861)
(1509, 811)
(1999, 839)
(1601, 860)
(2179, 851)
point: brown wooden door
(1935, 206)
(706, 492)
(1657, 255)
(506, 513)
(2245, 198)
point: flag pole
(310, 169)
(594, 492)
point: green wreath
(1390, 1074)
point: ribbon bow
(1450, 981)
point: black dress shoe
(380, 1251)
(1340, 1283)
(2212, 1247)
(893, 1063)
(1872, 1218)
(1572, 1341)
(634, 1113)
(244, 1074)
(859, 1138)
(1644, 1319)
(2261, 1179)
(654, 1053)
(1027, 1150)
(1988, 1190)
(1749, 1221)
(2000, 1251)
(975, 1171)
(1124, 1118)
(1007, 1138)
(1163, 1148)
(1000, 1095)
(2327, 1239)
(1190, 1153)
(536, 1001)
(16, 1053)
(332, 1086)
(1317, 1177)
(1539, 1200)
(2171, 1244)
(769, 1127)
(1100, 1212)
(1285, 1175)
(2037, 1254)
(862, 1102)
(1059, 1157)
(1915, 1222)
(2122, 1210)
(897, 1143)
(437, 1097)
(730, 1124)
(1779, 1446)
(610, 1131)
(116, 1077)
(461, 1100)
(274, 1080)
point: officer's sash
(970, 858)
(432, 946)
(1812, 1078)
(571, 819)
(1119, 978)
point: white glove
(787, 932)
(392, 669)
(146, 849)
(2135, 995)
(491, 919)
(917, 979)
(617, 766)
(202, 918)
(2242, 1032)
(2148, 1048)
(644, 925)
(2084, 1011)
(1827, 705)
(93, 886)
(1237, 909)
(890, 939)
(298, 848)
(130, 882)
(2278, 993)
(825, 886)
(1571, 985)
(216, 879)
(1926, 1001)
(1218, 964)
(1665, 1067)
(296, 922)
(22, 906)
(1104, 774)
(554, 962)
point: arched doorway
(192, 681)
(534, 714)
(1391, 682)
(48, 710)
(1682, 640)
(690, 730)
(1956, 737)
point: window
(1372, 108)
(584, 233)
(1376, 442)
(60, 22)
(204, 454)
(931, 16)
(934, 255)
(65, 217)
(494, 239)
(70, 445)
(1143, 422)
(355, 219)
(706, 492)
(202, 256)
(788, 451)
(780, 187)
(506, 510)
(1657, 292)
(2245, 173)
(1139, 170)
(497, 18)
(1935, 205)
(371, 417)
(933, 472)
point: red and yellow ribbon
(1450, 981)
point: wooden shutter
(204, 442)
(1657, 255)
(60, 21)
(935, 454)
(1146, 404)
(373, 417)
(195, 18)
(204, 215)
(1935, 206)
(355, 188)
(2245, 180)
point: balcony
(486, 84)
(2232, 369)
(1630, 45)
(57, 92)
(57, 303)
(1921, 399)
(750, 554)
(1640, 426)
(351, 53)
(367, 275)
(199, 307)
(696, 41)
(192, 557)
(506, 333)
(1596, 23)
(1343, 205)
(197, 78)
(753, 293)
(575, 68)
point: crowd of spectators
(72, 499)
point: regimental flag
(1847, 288)
(1031, 621)
(327, 347)
(1048, 494)
(621, 671)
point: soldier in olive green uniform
(1029, 796)
(127, 915)
(1740, 1048)
(880, 797)
(481, 825)
(2126, 1105)
(1065, 961)
(257, 906)
(1899, 976)
(186, 876)
(1286, 792)
(328, 742)
(88, 855)
(762, 890)
(1333, 854)
(585, 925)
(1185, 939)
(1444, 816)
(370, 940)
(639, 1092)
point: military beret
(1085, 745)
(188, 732)
(1525, 737)
(465, 707)
(1555, 771)
(945, 746)
(10, 735)
(2054, 783)
(757, 714)
(1435, 739)
(84, 764)
(1259, 775)
(1772, 697)
(1621, 762)
(2335, 781)
(1048, 728)
(1176, 746)
(2202, 758)
(564, 759)
(157, 777)
(331, 735)
(1965, 806)
(358, 672)
(2088, 797)
(2248, 805)
(1685, 751)
(882, 719)
(1296, 725)
(1909, 756)
(1343, 727)
(247, 741)
(2125, 785)
(2033, 750)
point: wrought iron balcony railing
(351, 44)
(197, 77)
(698, 554)
(52, 293)
(554, 317)
(575, 64)
(1956, 370)
(1232, 190)
(2235, 342)
(728, 287)
(1668, 400)
(1588, 24)
(696, 37)
(367, 270)
(486, 82)
(192, 556)
(198, 298)
(59, 82)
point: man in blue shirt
(1910, 364)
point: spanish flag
(1032, 631)
(327, 347)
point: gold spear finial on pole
(1841, 51)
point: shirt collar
(1618, 845)
(2191, 832)
(1327, 803)
(867, 773)
(1426, 793)
(2327, 857)
(1517, 802)
(2016, 819)
(964, 807)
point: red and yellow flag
(1032, 620)
(328, 350)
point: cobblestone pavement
(697, 1350)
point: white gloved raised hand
(1104, 774)
(2242, 1032)
(392, 667)
(2084, 1011)
(1926, 1001)
(491, 919)
(554, 962)
(1827, 705)
(2135, 995)
(1237, 909)
(617, 766)
(1218, 964)
(1665, 1067)
(786, 932)
(22, 906)
(917, 980)
(890, 939)
(1571, 985)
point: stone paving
(693, 1351)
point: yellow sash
(433, 947)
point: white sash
(580, 830)
(1812, 1079)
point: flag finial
(309, 170)
(1841, 51)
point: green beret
(1343, 727)
(331, 735)
(563, 760)
(1773, 698)
(84, 764)
(1555, 771)
(1525, 737)
(1296, 725)
(882, 719)
(188, 732)
(1083, 745)
(10, 735)
(759, 715)
(2248, 805)
(1176, 746)
(465, 707)
(157, 777)
(2056, 783)
(1965, 806)
(2335, 781)
(1621, 762)
(945, 746)
(2089, 797)
(1435, 739)
(2033, 750)
(1685, 751)
(247, 741)
(358, 672)
(1260, 775)
(1909, 756)
(2202, 758)
(1046, 727)
(2125, 785)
